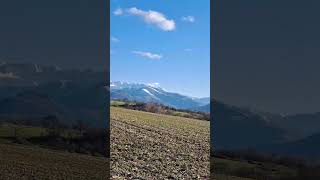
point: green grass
(10, 130)
(120, 103)
(160, 109)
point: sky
(266, 55)
(67, 33)
(165, 42)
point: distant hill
(28, 105)
(204, 108)
(308, 147)
(203, 101)
(299, 125)
(237, 128)
(30, 75)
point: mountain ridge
(149, 93)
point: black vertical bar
(214, 11)
(107, 38)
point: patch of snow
(164, 90)
(145, 90)
(58, 68)
(148, 92)
(38, 68)
(155, 90)
(155, 85)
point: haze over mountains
(235, 128)
(30, 91)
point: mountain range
(155, 94)
(31, 91)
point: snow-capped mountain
(152, 93)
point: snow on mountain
(203, 101)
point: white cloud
(118, 12)
(188, 19)
(148, 55)
(114, 39)
(188, 49)
(153, 17)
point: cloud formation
(118, 12)
(114, 39)
(153, 17)
(148, 55)
(190, 19)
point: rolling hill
(235, 128)
(145, 145)
(31, 162)
(238, 128)
(308, 148)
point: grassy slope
(253, 170)
(161, 109)
(9, 130)
(21, 131)
(31, 162)
(156, 146)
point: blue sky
(162, 41)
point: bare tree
(15, 128)
(53, 125)
(81, 125)
(152, 108)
